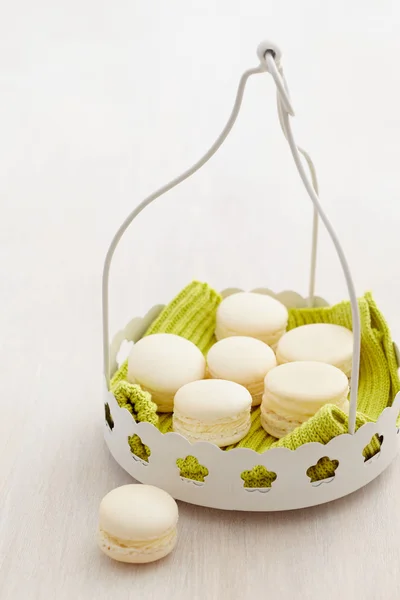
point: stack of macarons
(254, 361)
(173, 370)
(295, 391)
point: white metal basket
(223, 487)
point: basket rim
(136, 327)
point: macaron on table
(252, 400)
(137, 524)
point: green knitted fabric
(192, 315)
(138, 448)
(108, 417)
(326, 424)
(324, 468)
(258, 477)
(135, 400)
(190, 468)
(379, 381)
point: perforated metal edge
(223, 487)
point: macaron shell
(210, 400)
(164, 362)
(306, 381)
(250, 314)
(137, 513)
(240, 359)
(321, 342)
(296, 410)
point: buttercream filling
(268, 337)
(277, 426)
(140, 546)
(215, 428)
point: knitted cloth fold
(192, 315)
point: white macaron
(137, 524)
(295, 391)
(252, 315)
(243, 360)
(212, 410)
(321, 342)
(162, 363)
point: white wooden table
(99, 105)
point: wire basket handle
(270, 57)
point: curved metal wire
(284, 110)
(287, 129)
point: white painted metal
(223, 487)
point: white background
(100, 104)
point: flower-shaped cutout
(190, 468)
(324, 469)
(108, 416)
(258, 477)
(139, 450)
(373, 448)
